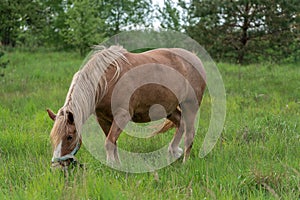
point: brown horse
(118, 86)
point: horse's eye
(69, 137)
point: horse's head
(65, 140)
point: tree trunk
(244, 36)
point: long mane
(89, 84)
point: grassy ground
(257, 156)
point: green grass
(257, 156)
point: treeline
(241, 31)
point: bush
(3, 64)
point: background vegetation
(244, 31)
(257, 156)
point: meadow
(256, 157)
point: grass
(257, 156)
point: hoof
(112, 162)
(175, 152)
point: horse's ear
(70, 117)
(51, 114)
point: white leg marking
(175, 151)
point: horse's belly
(152, 102)
(140, 118)
(155, 112)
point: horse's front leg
(111, 145)
(119, 123)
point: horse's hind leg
(174, 148)
(189, 111)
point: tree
(83, 27)
(244, 30)
(125, 14)
(21, 20)
(56, 16)
(10, 15)
(169, 16)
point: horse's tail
(164, 127)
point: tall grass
(257, 156)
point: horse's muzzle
(55, 164)
(63, 161)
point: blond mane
(89, 85)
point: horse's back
(160, 76)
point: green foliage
(3, 63)
(169, 16)
(83, 27)
(244, 31)
(23, 21)
(257, 156)
(64, 24)
(125, 15)
(10, 21)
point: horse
(97, 89)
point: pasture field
(257, 156)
